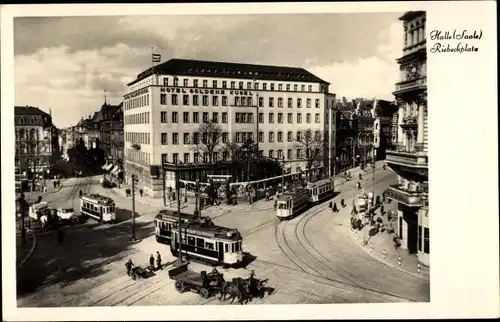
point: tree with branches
(207, 139)
(233, 150)
(313, 144)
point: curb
(29, 253)
(352, 235)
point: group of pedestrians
(129, 264)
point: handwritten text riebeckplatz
(462, 36)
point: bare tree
(233, 149)
(207, 139)
(312, 143)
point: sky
(66, 63)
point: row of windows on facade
(241, 137)
(256, 86)
(139, 118)
(225, 156)
(238, 101)
(29, 120)
(138, 156)
(30, 149)
(239, 117)
(415, 35)
(33, 134)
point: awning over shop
(108, 166)
(104, 167)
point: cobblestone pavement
(314, 250)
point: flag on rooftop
(156, 58)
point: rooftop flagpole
(153, 64)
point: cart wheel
(204, 293)
(179, 287)
(134, 276)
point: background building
(382, 127)
(409, 159)
(37, 142)
(272, 105)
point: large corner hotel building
(164, 107)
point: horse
(236, 288)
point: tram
(166, 218)
(203, 241)
(320, 190)
(292, 203)
(99, 207)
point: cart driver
(214, 277)
(129, 265)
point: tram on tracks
(165, 219)
(320, 190)
(101, 208)
(290, 204)
(203, 241)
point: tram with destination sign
(164, 221)
(203, 241)
(290, 204)
(101, 208)
(320, 190)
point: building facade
(410, 157)
(382, 127)
(36, 143)
(269, 104)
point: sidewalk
(242, 206)
(381, 245)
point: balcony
(416, 159)
(406, 197)
(410, 122)
(410, 85)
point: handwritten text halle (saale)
(456, 35)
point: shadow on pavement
(123, 214)
(83, 253)
(247, 259)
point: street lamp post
(178, 188)
(133, 206)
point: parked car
(67, 214)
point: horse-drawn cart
(186, 280)
(138, 272)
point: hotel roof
(200, 68)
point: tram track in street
(308, 268)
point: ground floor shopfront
(414, 232)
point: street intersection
(308, 259)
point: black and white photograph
(230, 159)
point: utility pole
(178, 188)
(197, 191)
(164, 186)
(133, 207)
(283, 174)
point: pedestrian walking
(382, 209)
(335, 209)
(359, 185)
(81, 193)
(141, 191)
(330, 205)
(55, 184)
(342, 203)
(152, 262)
(360, 176)
(158, 260)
